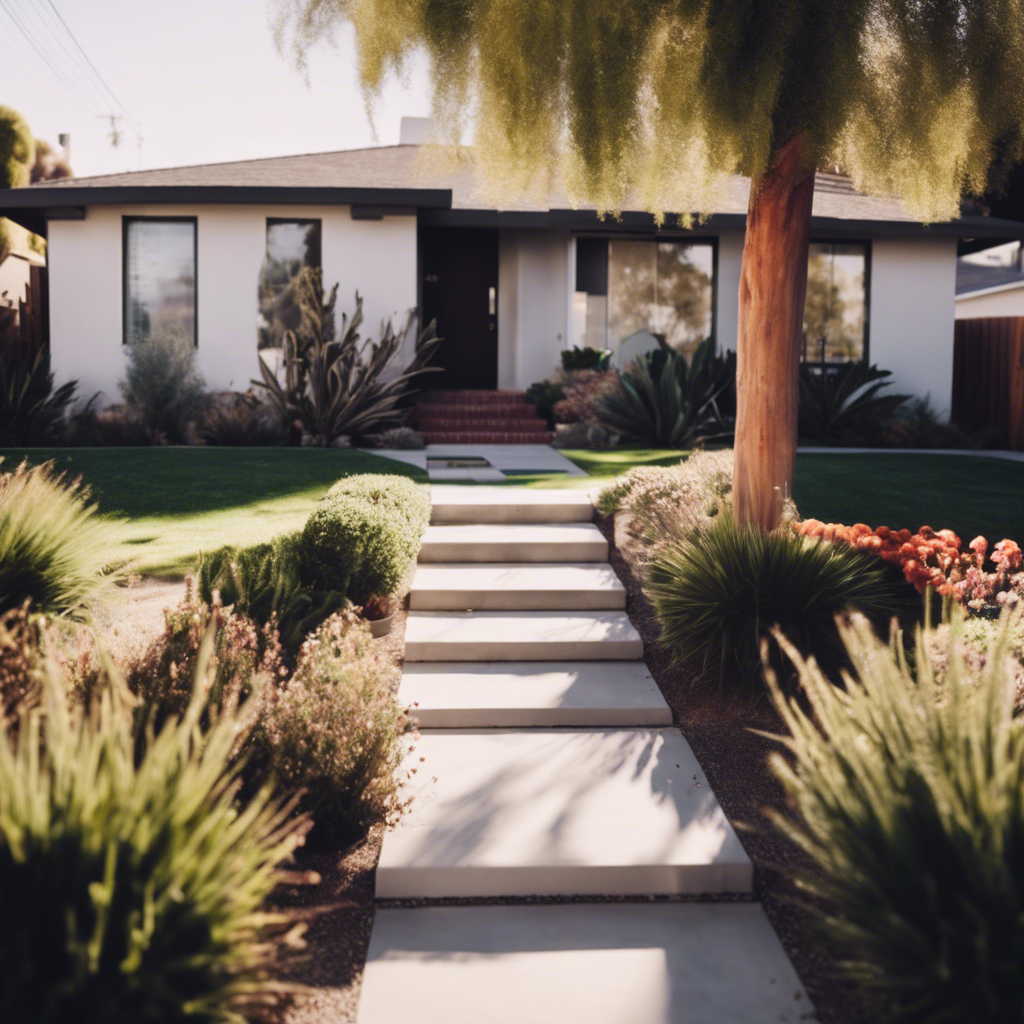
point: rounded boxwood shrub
(394, 493)
(719, 594)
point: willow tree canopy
(655, 102)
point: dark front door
(459, 289)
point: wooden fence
(25, 327)
(988, 378)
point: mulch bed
(735, 761)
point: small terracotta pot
(381, 627)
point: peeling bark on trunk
(773, 286)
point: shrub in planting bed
(908, 791)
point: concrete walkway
(548, 768)
(503, 461)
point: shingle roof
(396, 167)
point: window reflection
(653, 292)
(291, 245)
(160, 279)
(836, 306)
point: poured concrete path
(547, 767)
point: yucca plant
(719, 593)
(135, 890)
(844, 404)
(665, 402)
(32, 411)
(55, 548)
(342, 387)
(908, 796)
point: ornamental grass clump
(719, 594)
(908, 796)
(134, 888)
(56, 550)
(335, 731)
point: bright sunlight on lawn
(180, 501)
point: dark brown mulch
(735, 761)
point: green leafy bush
(577, 358)
(341, 387)
(545, 395)
(334, 729)
(397, 494)
(265, 582)
(55, 548)
(718, 594)
(164, 384)
(665, 402)
(134, 890)
(32, 411)
(909, 798)
(843, 404)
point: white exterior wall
(377, 257)
(534, 292)
(727, 304)
(1008, 301)
(913, 285)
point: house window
(159, 278)
(835, 313)
(634, 294)
(291, 245)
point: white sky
(201, 77)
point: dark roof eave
(120, 195)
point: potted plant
(380, 613)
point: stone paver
(474, 695)
(567, 812)
(521, 636)
(618, 963)
(514, 542)
(503, 505)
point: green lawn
(180, 501)
(965, 493)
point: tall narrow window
(835, 313)
(159, 278)
(291, 245)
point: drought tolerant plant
(32, 411)
(666, 402)
(844, 404)
(164, 384)
(577, 358)
(334, 729)
(241, 420)
(719, 593)
(582, 394)
(908, 792)
(399, 439)
(56, 550)
(342, 387)
(135, 890)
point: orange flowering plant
(933, 558)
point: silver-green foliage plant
(56, 550)
(134, 887)
(908, 793)
(337, 387)
(164, 384)
(334, 730)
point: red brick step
(485, 437)
(514, 426)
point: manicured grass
(618, 460)
(180, 501)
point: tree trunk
(773, 286)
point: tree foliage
(17, 149)
(655, 102)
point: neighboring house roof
(991, 289)
(972, 277)
(390, 177)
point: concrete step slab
(521, 636)
(475, 695)
(559, 812)
(515, 542)
(509, 505)
(604, 963)
(500, 586)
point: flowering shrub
(583, 391)
(931, 558)
(334, 729)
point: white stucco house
(208, 250)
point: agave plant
(31, 410)
(844, 405)
(665, 402)
(338, 388)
